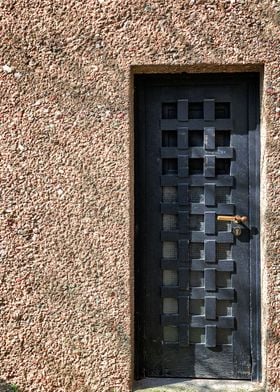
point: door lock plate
(236, 231)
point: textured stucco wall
(66, 164)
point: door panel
(193, 274)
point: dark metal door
(197, 276)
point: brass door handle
(232, 218)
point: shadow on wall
(6, 387)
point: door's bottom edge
(196, 385)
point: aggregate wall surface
(66, 146)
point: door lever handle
(232, 218)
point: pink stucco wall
(66, 206)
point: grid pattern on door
(197, 266)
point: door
(197, 167)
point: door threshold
(195, 385)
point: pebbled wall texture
(66, 147)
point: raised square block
(183, 251)
(209, 109)
(183, 278)
(210, 336)
(210, 222)
(183, 218)
(210, 251)
(210, 279)
(183, 335)
(209, 166)
(209, 138)
(183, 308)
(183, 110)
(183, 190)
(210, 195)
(183, 166)
(182, 138)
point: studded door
(195, 298)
